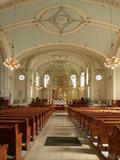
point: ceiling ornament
(60, 59)
(59, 62)
(60, 66)
(61, 19)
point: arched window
(46, 80)
(21, 77)
(98, 77)
(73, 79)
(37, 79)
(88, 96)
(82, 79)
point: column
(79, 93)
(51, 99)
(69, 94)
(11, 86)
(48, 98)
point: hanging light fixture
(11, 62)
(111, 61)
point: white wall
(116, 83)
(20, 88)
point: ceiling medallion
(61, 19)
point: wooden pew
(16, 118)
(3, 152)
(24, 128)
(114, 144)
(44, 113)
(100, 123)
(41, 114)
(93, 122)
(87, 118)
(10, 135)
(38, 116)
(105, 128)
(32, 123)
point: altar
(60, 103)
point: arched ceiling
(85, 28)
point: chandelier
(111, 61)
(11, 63)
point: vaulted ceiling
(82, 30)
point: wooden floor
(59, 125)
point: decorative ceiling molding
(5, 45)
(73, 54)
(103, 25)
(113, 3)
(10, 3)
(74, 59)
(20, 24)
(41, 49)
(47, 59)
(63, 69)
(60, 59)
(34, 22)
(60, 19)
(116, 47)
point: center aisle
(60, 126)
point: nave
(59, 55)
(59, 125)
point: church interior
(60, 79)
